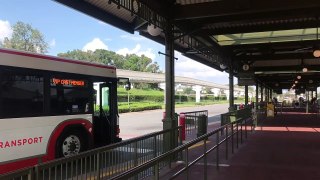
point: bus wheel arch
(73, 140)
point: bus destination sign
(67, 82)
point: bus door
(104, 117)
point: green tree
(25, 37)
(129, 62)
(135, 63)
(208, 90)
(154, 68)
(188, 90)
(79, 55)
(101, 56)
(109, 57)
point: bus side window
(57, 101)
(21, 94)
(69, 100)
(87, 108)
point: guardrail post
(156, 172)
(232, 133)
(98, 165)
(217, 150)
(31, 174)
(155, 150)
(227, 141)
(205, 159)
(135, 157)
(36, 172)
(187, 164)
(182, 123)
(246, 133)
(237, 126)
(180, 143)
(241, 126)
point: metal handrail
(193, 112)
(98, 162)
(155, 161)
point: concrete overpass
(137, 76)
(197, 85)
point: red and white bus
(53, 107)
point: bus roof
(9, 57)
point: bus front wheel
(70, 143)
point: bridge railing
(102, 163)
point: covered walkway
(284, 147)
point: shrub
(139, 98)
(134, 107)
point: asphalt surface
(139, 123)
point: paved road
(139, 123)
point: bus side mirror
(128, 86)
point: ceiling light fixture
(305, 69)
(299, 77)
(245, 67)
(135, 6)
(153, 30)
(316, 53)
(223, 67)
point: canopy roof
(275, 38)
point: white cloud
(137, 50)
(5, 30)
(133, 37)
(52, 43)
(102, 23)
(189, 68)
(96, 43)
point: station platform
(285, 147)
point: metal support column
(257, 95)
(246, 94)
(261, 92)
(266, 94)
(170, 120)
(169, 76)
(307, 105)
(256, 105)
(231, 88)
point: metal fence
(231, 134)
(102, 163)
(234, 115)
(192, 120)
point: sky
(66, 29)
